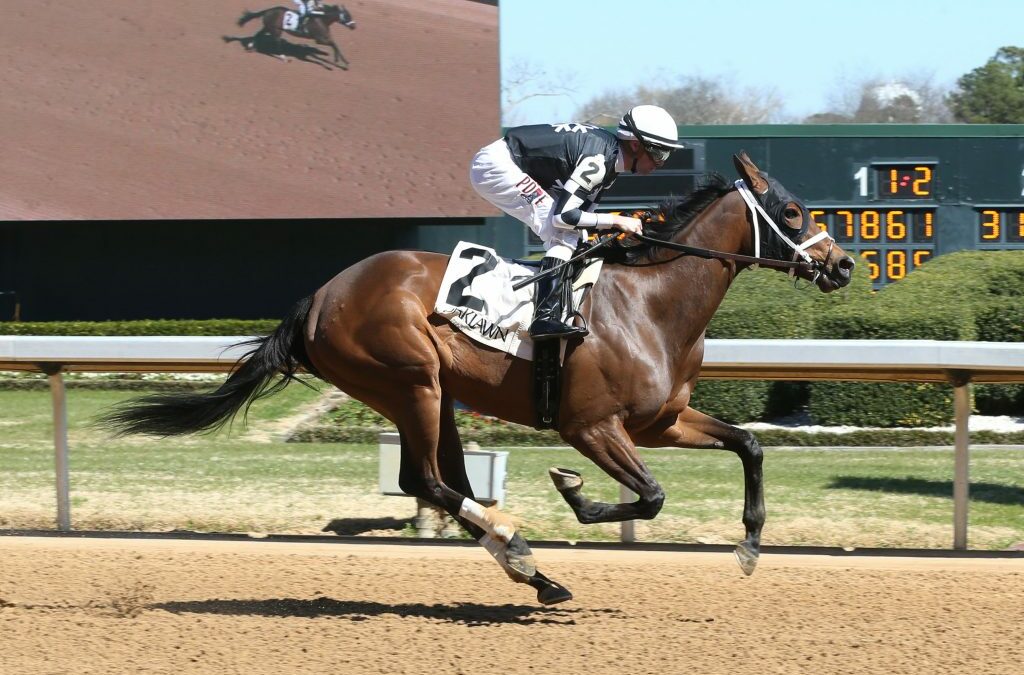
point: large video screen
(120, 110)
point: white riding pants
(497, 178)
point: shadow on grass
(471, 614)
(992, 493)
(352, 526)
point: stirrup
(547, 329)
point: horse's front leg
(338, 57)
(608, 445)
(693, 429)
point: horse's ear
(750, 173)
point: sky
(801, 50)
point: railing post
(961, 381)
(60, 443)
(627, 528)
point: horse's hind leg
(607, 445)
(447, 485)
(693, 429)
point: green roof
(853, 130)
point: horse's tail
(280, 353)
(248, 16)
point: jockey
(551, 177)
(308, 8)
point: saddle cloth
(476, 297)
(290, 21)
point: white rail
(955, 363)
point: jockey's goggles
(658, 153)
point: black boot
(547, 313)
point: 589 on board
(892, 240)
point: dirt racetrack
(115, 606)
(138, 110)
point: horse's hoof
(565, 479)
(523, 566)
(553, 594)
(747, 557)
(548, 591)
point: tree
(695, 100)
(524, 81)
(993, 93)
(911, 99)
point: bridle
(799, 250)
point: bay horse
(371, 331)
(317, 28)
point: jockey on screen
(551, 177)
(308, 8)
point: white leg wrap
(496, 539)
(476, 514)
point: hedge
(146, 327)
(970, 295)
(353, 422)
(766, 304)
(25, 384)
(1001, 323)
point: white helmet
(651, 125)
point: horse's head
(797, 236)
(340, 14)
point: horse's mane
(676, 214)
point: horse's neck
(723, 226)
(681, 294)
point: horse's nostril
(846, 263)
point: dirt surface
(137, 110)
(142, 606)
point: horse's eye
(791, 213)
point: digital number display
(877, 226)
(1001, 224)
(884, 266)
(905, 181)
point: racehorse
(317, 28)
(371, 332)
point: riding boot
(547, 314)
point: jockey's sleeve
(569, 211)
(581, 189)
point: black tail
(280, 353)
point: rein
(806, 264)
(558, 268)
(710, 254)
